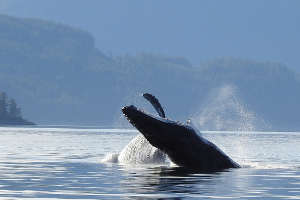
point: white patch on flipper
(140, 151)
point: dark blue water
(64, 163)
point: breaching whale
(179, 141)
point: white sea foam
(110, 158)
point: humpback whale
(179, 141)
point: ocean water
(65, 163)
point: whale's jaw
(179, 141)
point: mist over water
(225, 110)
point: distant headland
(10, 113)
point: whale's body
(179, 141)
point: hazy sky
(199, 30)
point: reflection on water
(64, 164)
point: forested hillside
(59, 77)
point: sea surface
(65, 163)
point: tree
(3, 105)
(13, 110)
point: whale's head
(165, 134)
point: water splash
(110, 158)
(224, 110)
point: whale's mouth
(132, 114)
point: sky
(262, 30)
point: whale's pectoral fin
(155, 103)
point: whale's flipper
(155, 103)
